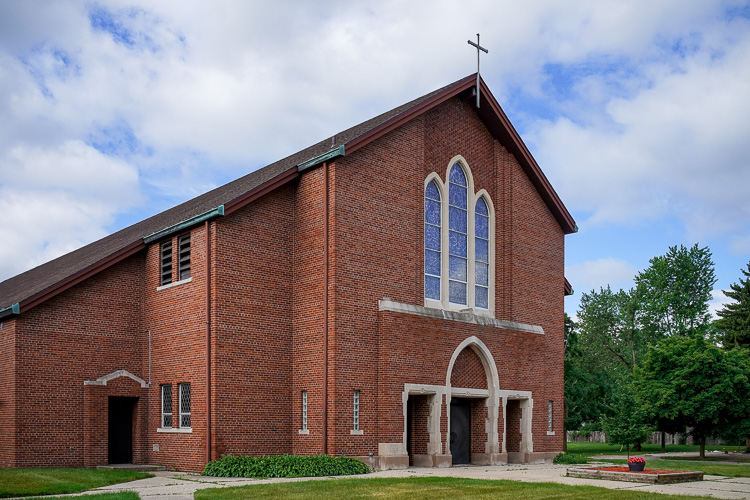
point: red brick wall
(468, 371)
(308, 311)
(253, 269)
(84, 333)
(378, 240)
(176, 320)
(420, 413)
(8, 393)
(513, 429)
(478, 425)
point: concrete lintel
(463, 317)
(115, 374)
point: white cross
(479, 47)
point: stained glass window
(481, 254)
(432, 241)
(457, 236)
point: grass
(422, 487)
(36, 482)
(123, 495)
(712, 468)
(615, 449)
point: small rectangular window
(184, 264)
(304, 410)
(166, 405)
(166, 263)
(355, 424)
(549, 417)
(185, 405)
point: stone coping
(636, 477)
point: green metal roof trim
(216, 212)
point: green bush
(284, 466)
(570, 458)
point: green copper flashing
(317, 160)
(185, 224)
(575, 229)
(11, 310)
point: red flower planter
(636, 467)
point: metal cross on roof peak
(479, 47)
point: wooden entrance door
(121, 430)
(461, 430)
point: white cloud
(56, 200)
(599, 273)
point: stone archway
(472, 365)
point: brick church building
(393, 293)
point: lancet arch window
(459, 242)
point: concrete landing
(134, 467)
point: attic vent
(166, 262)
(184, 243)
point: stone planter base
(637, 477)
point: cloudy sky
(638, 111)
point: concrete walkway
(181, 486)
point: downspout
(325, 306)
(208, 341)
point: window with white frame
(355, 423)
(461, 249)
(304, 410)
(166, 405)
(184, 389)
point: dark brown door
(121, 430)
(461, 430)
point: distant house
(394, 291)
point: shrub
(570, 458)
(284, 466)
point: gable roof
(28, 289)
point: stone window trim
(550, 432)
(173, 284)
(473, 197)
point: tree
(692, 383)
(627, 423)
(586, 385)
(608, 328)
(674, 292)
(733, 324)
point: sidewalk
(181, 485)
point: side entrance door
(120, 428)
(461, 430)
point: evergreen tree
(733, 324)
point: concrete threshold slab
(134, 467)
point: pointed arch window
(432, 241)
(481, 254)
(458, 258)
(458, 242)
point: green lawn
(123, 495)
(422, 487)
(615, 449)
(35, 482)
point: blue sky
(638, 112)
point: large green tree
(733, 325)
(586, 386)
(690, 382)
(609, 331)
(674, 292)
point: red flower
(636, 460)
